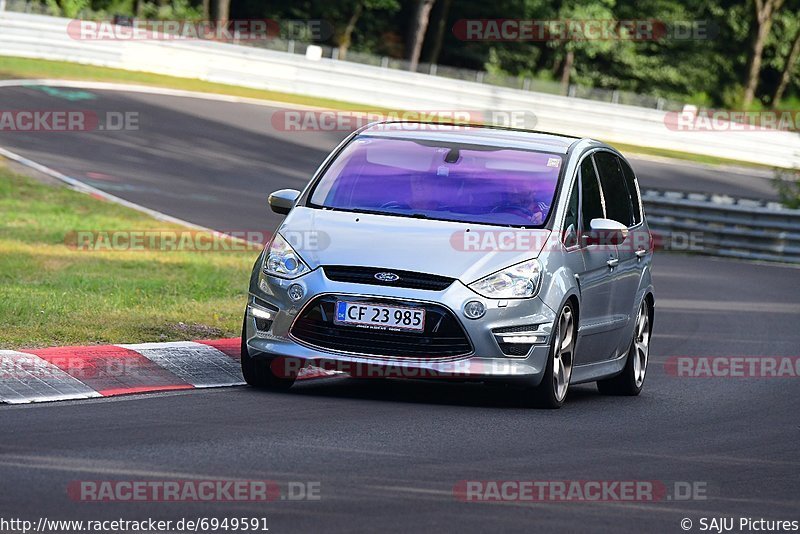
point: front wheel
(257, 371)
(630, 381)
(553, 389)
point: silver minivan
(455, 252)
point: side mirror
(608, 231)
(283, 200)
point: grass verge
(53, 294)
(16, 67)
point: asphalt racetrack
(388, 454)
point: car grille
(515, 329)
(443, 335)
(407, 279)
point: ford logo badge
(387, 277)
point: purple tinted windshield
(441, 180)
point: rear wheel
(257, 371)
(553, 389)
(631, 379)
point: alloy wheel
(563, 353)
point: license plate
(377, 315)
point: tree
(347, 36)
(703, 69)
(419, 25)
(765, 11)
(223, 12)
(789, 64)
(439, 28)
(579, 12)
(345, 16)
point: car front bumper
(485, 362)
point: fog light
(260, 313)
(523, 339)
(296, 292)
(474, 309)
(263, 318)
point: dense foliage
(747, 56)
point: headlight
(281, 260)
(516, 282)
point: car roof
(485, 135)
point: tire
(257, 371)
(552, 391)
(631, 380)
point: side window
(633, 191)
(571, 218)
(615, 193)
(591, 205)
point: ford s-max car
(458, 252)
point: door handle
(641, 253)
(613, 262)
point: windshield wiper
(361, 210)
(423, 216)
(379, 212)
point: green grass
(53, 294)
(14, 67)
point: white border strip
(152, 90)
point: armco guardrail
(724, 226)
(39, 36)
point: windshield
(440, 180)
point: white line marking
(163, 91)
(727, 306)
